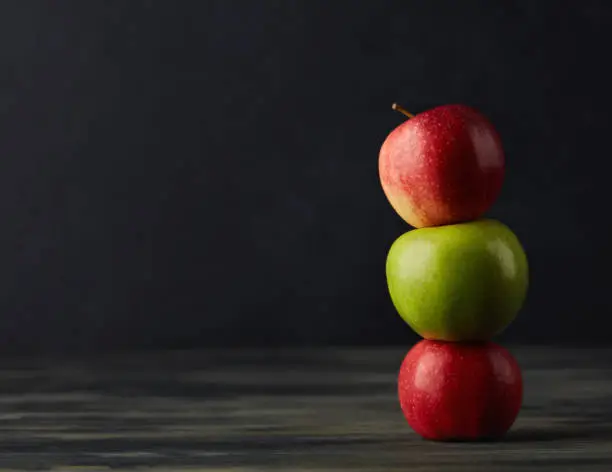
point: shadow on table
(568, 433)
(558, 433)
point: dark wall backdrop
(199, 173)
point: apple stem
(402, 110)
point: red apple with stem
(460, 391)
(442, 166)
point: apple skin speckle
(444, 166)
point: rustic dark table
(292, 410)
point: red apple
(442, 166)
(459, 391)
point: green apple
(460, 282)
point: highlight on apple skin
(461, 282)
(443, 166)
(460, 392)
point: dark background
(178, 174)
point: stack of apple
(457, 279)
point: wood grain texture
(293, 410)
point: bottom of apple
(456, 392)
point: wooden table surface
(293, 410)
